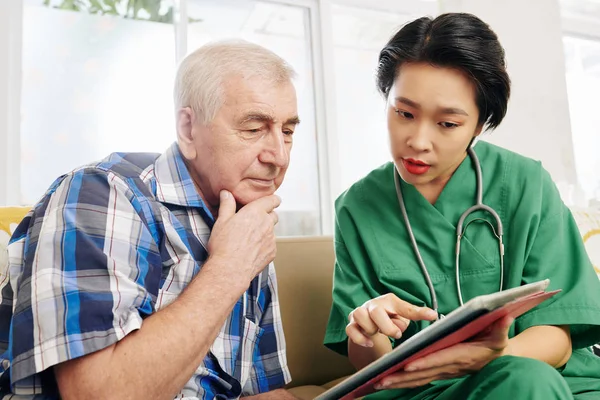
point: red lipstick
(415, 167)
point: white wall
(537, 123)
(10, 100)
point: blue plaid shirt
(108, 245)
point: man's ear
(185, 133)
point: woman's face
(432, 116)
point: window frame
(319, 26)
(11, 43)
(579, 27)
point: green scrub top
(374, 255)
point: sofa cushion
(9, 219)
(307, 392)
(588, 221)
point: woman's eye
(448, 125)
(403, 114)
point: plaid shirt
(108, 245)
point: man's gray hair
(201, 75)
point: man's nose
(276, 151)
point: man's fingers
(227, 205)
(266, 204)
(274, 217)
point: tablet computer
(458, 326)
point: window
(359, 34)
(98, 78)
(581, 40)
(92, 84)
(582, 58)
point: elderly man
(147, 276)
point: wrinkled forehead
(260, 98)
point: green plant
(125, 8)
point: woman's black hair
(453, 40)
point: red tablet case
(514, 308)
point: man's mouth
(263, 182)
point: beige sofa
(304, 273)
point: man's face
(246, 148)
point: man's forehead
(255, 114)
(256, 99)
(267, 115)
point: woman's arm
(550, 344)
(361, 356)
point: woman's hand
(455, 361)
(386, 314)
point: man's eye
(288, 132)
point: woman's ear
(185, 134)
(478, 131)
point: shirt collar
(174, 184)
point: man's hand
(455, 361)
(386, 314)
(244, 242)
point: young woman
(445, 82)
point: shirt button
(5, 364)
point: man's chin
(249, 196)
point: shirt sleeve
(269, 370)
(81, 274)
(557, 252)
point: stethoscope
(460, 232)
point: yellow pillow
(9, 219)
(588, 221)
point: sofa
(304, 270)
